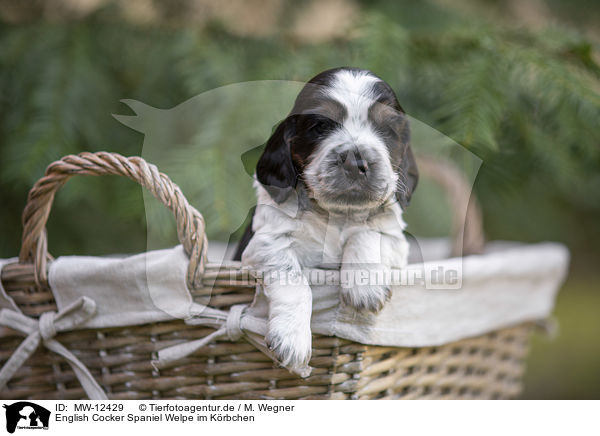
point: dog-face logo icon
(26, 415)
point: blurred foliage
(522, 95)
(527, 102)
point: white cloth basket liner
(510, 283)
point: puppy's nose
(352, 162)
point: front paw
(360, 293)
(366, 298)
(291, 344)
(364, 287)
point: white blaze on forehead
(354, 90)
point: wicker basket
(485, 367)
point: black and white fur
(332, 184)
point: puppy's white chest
(320, 242)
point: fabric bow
(44, 330)
(231, 325)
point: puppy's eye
(393, 127)
(320, 127)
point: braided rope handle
(190, 223)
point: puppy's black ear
(409, 177)
(275, 169)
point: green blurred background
(515, 82)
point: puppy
(332, 184)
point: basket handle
(190, 223)
(467, 223)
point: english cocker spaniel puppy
(332, 184)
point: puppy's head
(347, 140)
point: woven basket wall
(486, 367)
